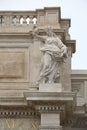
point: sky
(74, 9)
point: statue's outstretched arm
(42, 38)
(35, 34)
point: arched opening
(28, 20)
(21, 20)
(14, 20)
(34, 20)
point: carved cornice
(51, 101)
(12, 101)
(46, 96)
(21, 35)
(50, 108)
(17, 112)
(79, 75)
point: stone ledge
(12, 101)
(49, 96)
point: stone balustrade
(17, 18)
(17, 21)
(23, 21)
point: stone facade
(23, 103)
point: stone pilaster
(50, 118)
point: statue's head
(50, 32)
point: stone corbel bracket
(50, 101)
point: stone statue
(53, 50)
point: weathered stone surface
(11, 64)
(20, 63)
(54, 87)
(17, 124)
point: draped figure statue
(53, 49)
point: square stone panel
(14, 64)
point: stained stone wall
(14, 66)
(19, 124)
(20, 62)
(20, 56)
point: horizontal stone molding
(49, 96)
(50, 127)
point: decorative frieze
(51, 108)
(7, 114)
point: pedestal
(54, 87)
(50, 101)
(50, 121)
